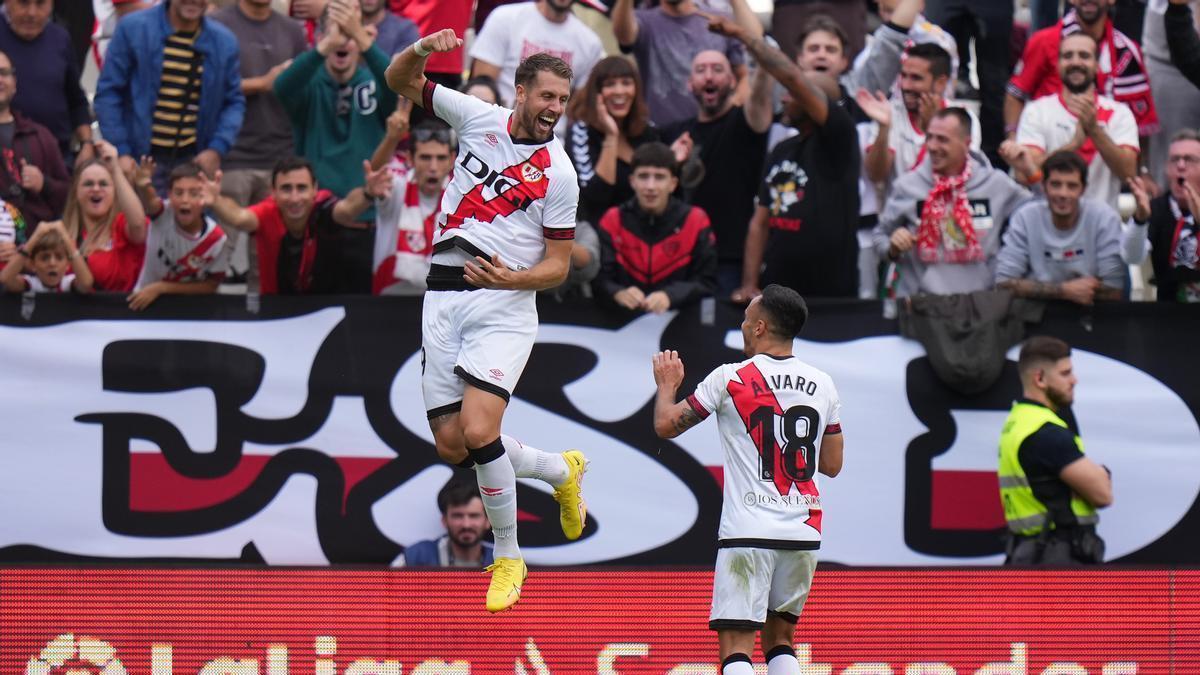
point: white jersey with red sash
(506, 196)
(175, 255)
(404, 226)
(33, 283)
(772, 414)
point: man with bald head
(803, 231)
(731, 142)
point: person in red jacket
(656, 252)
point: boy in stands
(186, 251)
(51, 253)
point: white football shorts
(481, 337)
(751, 583)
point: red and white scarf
(946, 233)
(414, 244)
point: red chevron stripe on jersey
(752, 397)
(516, 188)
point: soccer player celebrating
(779, 423)
(505, 227)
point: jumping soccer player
(505, 230)
(779, 423)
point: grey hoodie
(993, 197)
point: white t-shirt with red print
(1046, 124)
(175, 255)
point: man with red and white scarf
(1121, 74)
(1168, 223)
(941, 225)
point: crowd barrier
(199, 431)
(272, 621)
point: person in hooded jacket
(656, 251)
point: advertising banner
(388, 622)
(297, 435)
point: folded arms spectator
(1066, 246)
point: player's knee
(478, 434)
(452, 454)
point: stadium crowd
(857, 149)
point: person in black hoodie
(656, 252)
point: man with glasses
(1168, 223)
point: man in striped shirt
(187, 109)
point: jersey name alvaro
(505, 196)
(772, 414)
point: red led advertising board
(150, 621)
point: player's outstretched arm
(406, 74)
(671, 418)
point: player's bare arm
(671, 418)
(548, 273)
(829, 462)
(406, 74)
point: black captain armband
(558, 233)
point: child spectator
(104, 212)
(186, 250)
(656, 252)
(58, 267)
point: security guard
(1049, 489)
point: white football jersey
(175, 255)
(505, 196)
(772, 414)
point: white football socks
(498, 489)
(529, 462)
